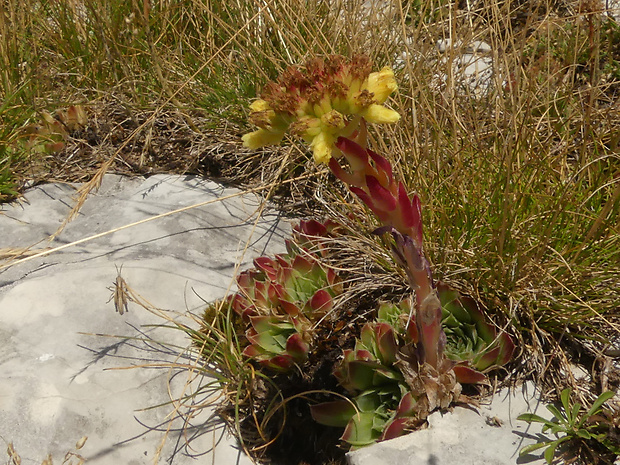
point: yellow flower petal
(322, 146)
(260, 138)
(380, 114)
(382, 84)
(259, 105)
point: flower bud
(382, 84)
(380, 114)
(260, 138)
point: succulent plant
(404, 365)
(382, 406)
(393, 388)
(471, 339)
(283, 296)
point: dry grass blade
(13, 455)
(15, 253)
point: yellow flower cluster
(326, 100)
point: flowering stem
(370, 177)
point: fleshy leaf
(467, 375)
(406, 406)
(297, 347)
(321, 301)
(386, 343)
(382, 198)
(337, 413)
(355, 154)
(395, 428)
(360, 430)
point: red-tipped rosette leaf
(412, 331)
(267, 266)
(395, 429)
(311, 228)
(282, 261)
(382, 198)
(336, 413)
(245, 282)
(360, 430)
(242, 307)
(364, 374)
(362, 354)
(269, 332)
(367, 335)
(355, 154)
(260, 298)
(332, 277)
(281, 363)
(252, 351)
(302, 264)
(386, 342)
(507, 349)
(274, 292)
(290, 308)
(406, 406)
(292, 248)
(488, 358)
(297, 348)
(356, 375)
(467, 375)
(321, 301)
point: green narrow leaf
(574, 412)
(584, 434)
(556, 413)
(565, 397)
(557, 429)
(532, 417)
(532, 448)
(600, 400)
(550, 452)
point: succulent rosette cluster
(392, 388)
(282, 298)
(325, 99)
(470, 339)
